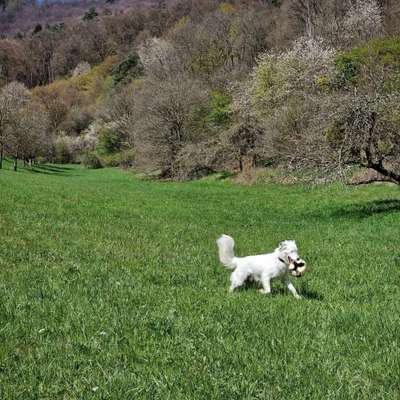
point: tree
(364, 130)
(38, 28)
(326, 113)
(160, 59)
(59, 100)
(82, 68)
(90, 14)
(121, 110)
(12, 99)
(359, 118)
(129, 68)
(13, 61)
(165, 122)
(32, 132)
(362, 22)
(340, 23)
(23, 124)
(41, 48)
(298, 73)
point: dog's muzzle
(297, 268)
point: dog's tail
(225, 248)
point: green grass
(110, 288)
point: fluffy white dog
(283, 261)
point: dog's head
(289, 253)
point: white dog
(263, 267)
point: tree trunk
(15, 164)
(379, 167)
(1, 158)
(371, 160)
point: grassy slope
(110, 289)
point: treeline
(18, 17)
(192, 87)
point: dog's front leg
(291, 288)
(266, 284)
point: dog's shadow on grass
(283, 291)
(311, 295)
(303, 292)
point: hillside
(17, 18)
(188, 88)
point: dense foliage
(187, 88)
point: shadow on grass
(225, 175)
(368, 209)
(54, 168)
(50, 170)
(359, 210)
(303, 290)
(311, 295)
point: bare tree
(12, 99)
(364, 130)
(340, 23)
(121, 111)
(23, 124)
(34, 132)
(160, 59)
(166, 122)
(362, 22)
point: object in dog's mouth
(297, 268)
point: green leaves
(219, 109)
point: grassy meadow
(110, 288)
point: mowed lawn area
(110, 288)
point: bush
(128, 69)
(123, 159)
(109, 141)
(41, 160)
(376, 54)
(91, 160)
(127, 158)
(76, 122)
(220, 109)
(62, 152)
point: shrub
(129, 68)
(220, 109)
(122, 159)
(109, 141)
(278, 77)
(41, 160)
(62, 152)
(91, 160)
(127, 158)
(377, 54)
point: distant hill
(18, 17)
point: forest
(182, 89)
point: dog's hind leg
(237, 279)
(266, 284)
